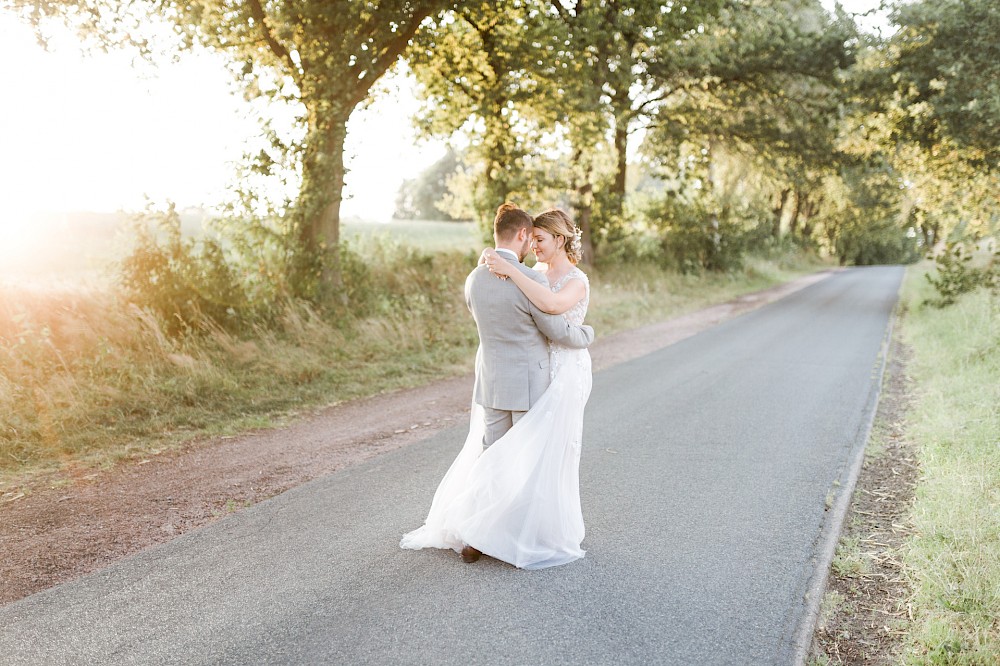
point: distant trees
(945, 63)
(920, 127)
(764, 120)
(426, 196)
(550, 93)
(758, 97)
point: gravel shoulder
(77, 522)
(865, 613)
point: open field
(65, 248)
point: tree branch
(390, 53)
(564, 12)
(276, 47)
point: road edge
(833, 526)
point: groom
(512, 363)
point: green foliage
(956, 275)
(766, 77)
(925, 103)
(695, 237)
(514, 76)
(95, 373)
(89, 378)
(550, 94)
(763, 85)
(187, 283)
(862, 223)
(869, 242)
(232, 282)
(952, 558)
(474, 67)
(319, 59)
(946, 68)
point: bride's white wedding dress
(519, 501)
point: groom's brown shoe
(470, 554)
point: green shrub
(185, 282)
(956, 274)
(693, 237)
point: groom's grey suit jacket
(512, 363)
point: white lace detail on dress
(560, 354)
(576, 314)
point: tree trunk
(807, 229)
(810, 209)
(800, 200)
(929, 232)
(500, 163)
(621, 155)
(318, 211)
(711, 191)
(779, 213)
(584, 208)
(499, 146)
(583, 204)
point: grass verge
(953, 560)
(87, 379)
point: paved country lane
(707, 468)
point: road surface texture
(707, 473)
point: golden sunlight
(96, 133)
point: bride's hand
(497, 264)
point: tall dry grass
(86, 376)
(89, 378)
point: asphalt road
(708, 468)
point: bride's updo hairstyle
(558, 223)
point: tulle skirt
(519, 501)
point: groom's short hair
(509, 219)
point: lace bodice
(576, 314)
(560, 355)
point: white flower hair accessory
(576, 242)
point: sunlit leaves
(946, 67)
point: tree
(420, 198)
(765, 82)
(927, 102)
(521, 71)
(615, 44)
(945, 63)
(473, 67)
(323, 56)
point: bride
(519, 500)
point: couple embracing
(513, 492)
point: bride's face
(545, 245)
